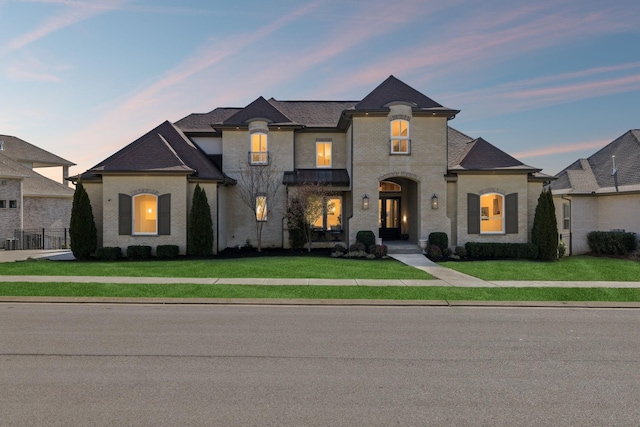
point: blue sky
(546, 81)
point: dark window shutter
(473, 213)
(124, 214)
(511, 219)
(164, 214)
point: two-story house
(392, 161)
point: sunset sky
(547, 81)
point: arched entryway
(398, 217)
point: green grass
(303, 267)
(319, 292)
(574, 268)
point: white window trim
(400, 138)
(330, 154)
(504, 214)
(259, 153)
(133, 216)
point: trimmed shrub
(82, 227)
(612, 242)
(167, 251)
(439, 239)
(109, 253)
(298, 228)
(544, 233)
(366, 237)
(501, 250)
(378, 251)
(358, 246)
(434, 252)
(139, 252)
(340, 249)
(461, 251)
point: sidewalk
(443, 276)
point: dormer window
(400, 142)
(259, 154)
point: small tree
(544, 233)
(296, 223)
(82, 226)
(257, 187)
(200, 234)
(306, 207)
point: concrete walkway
(443, 276)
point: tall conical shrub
(200, 234)
(544, 233)
(82, 227)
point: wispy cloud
(76, 12)
(561, 149)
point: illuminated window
(261, 208)
(259, 153)
(492, 213)
(389, 186)
(145, 214)
(331, 214)
(400, 142)
(323, 154)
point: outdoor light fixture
(365, 202)
(434, 202)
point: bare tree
(307, 206)
(257, 187)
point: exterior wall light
(365, 202)
(434, 202)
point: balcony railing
(258, 157)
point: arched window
(145, 214)
(389, 186)
(400, 142)
(492, 213)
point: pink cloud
(561, 149)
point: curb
(320, 302)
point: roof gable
(22, 151)
(33, 184)
(394, 90)
(481, 155)
(163, 149)
(260, 108)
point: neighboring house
(394, 166)
(600, 193)
(29, 200)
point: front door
(389, 219)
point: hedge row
(501, 250)
(612, 242)
(136, 252)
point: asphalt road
(66, 364)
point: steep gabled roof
(394, 90)
(260, 108)
(22, 151)
(33, 184)
(480, 155)
(164, 149)
(318, 114)
(595, 173)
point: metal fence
(38, 238)
(566, 238)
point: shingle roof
(313, 113)
(260, 108)
(201, 122)
(164, 149)
(394, 90)
(33, 184)
(595, 174)
(22, 151)
(479, 154)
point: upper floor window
(259, 154)
(145, 214)
(3, 204)
(323, 154)
(492, 213)
(13, 204)
(400, 142)
(261, 208)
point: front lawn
(275, 267)
(573, 268)
(318, 292)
